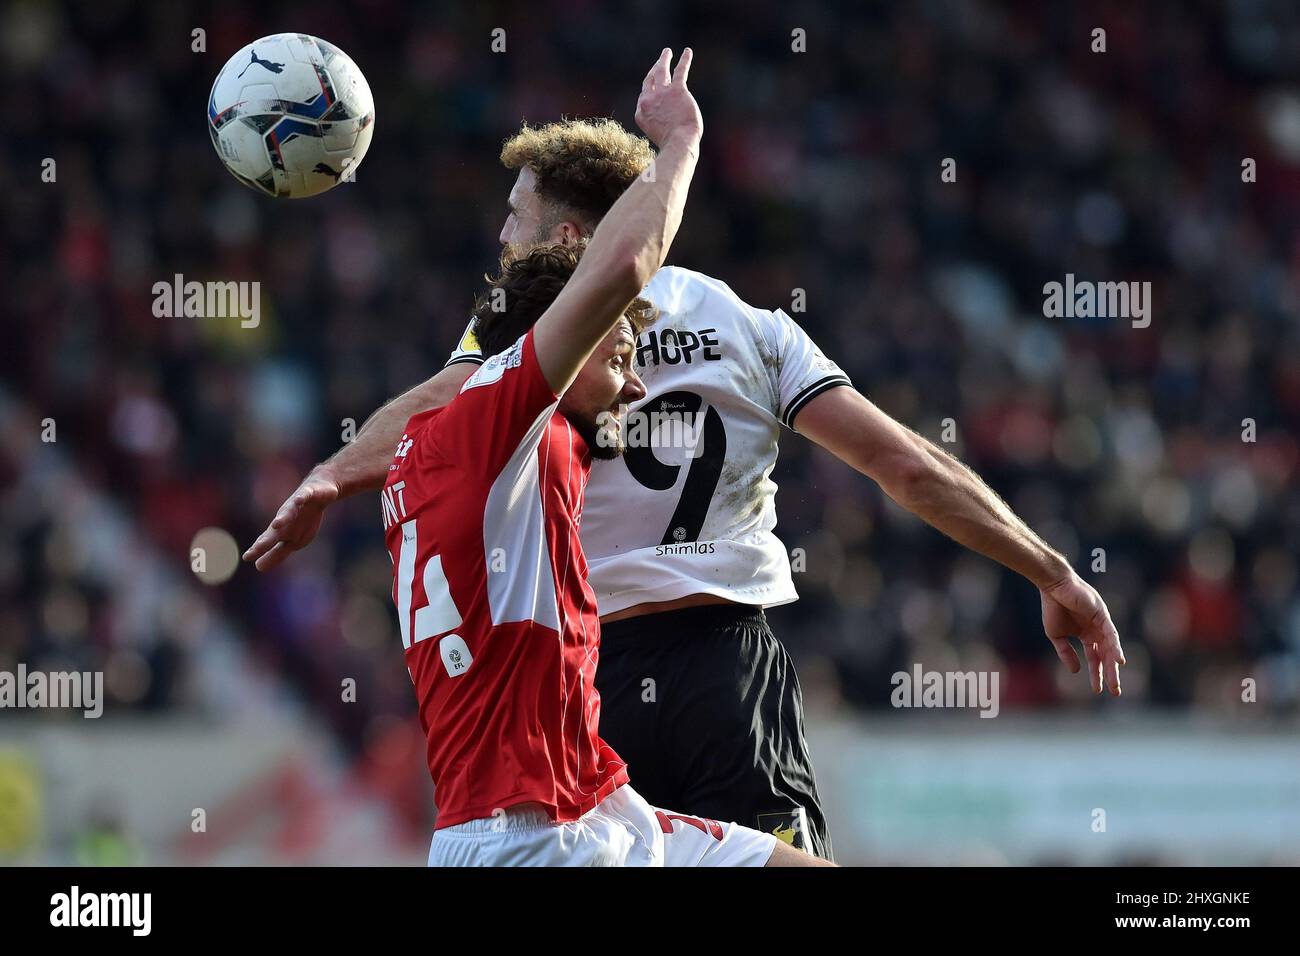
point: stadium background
(820, 172)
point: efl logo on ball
(291, 115)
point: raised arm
(943, 492)
(623, 255)
(630, 244)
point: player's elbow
(635, 272)
(619, 275)
(911, 476)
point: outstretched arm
(943, 492)
(360, 465)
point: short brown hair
(529, 282)
(583, 164)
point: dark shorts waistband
(683, 622)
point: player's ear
(568, 232)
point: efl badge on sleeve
(788, 826)
(467, 349)
(468, 341)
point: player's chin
(603, 434)
(608, 441)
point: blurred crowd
(1162, 460)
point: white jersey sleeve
(802, 371)
(690, 507)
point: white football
(291, 115)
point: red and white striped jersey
(481, 512)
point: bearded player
(481, 513)
(681, 545)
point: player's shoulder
(494, 367)
(682, 292)
(676, 289)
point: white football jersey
(690, 508)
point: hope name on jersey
(721, 379)
(481, 511)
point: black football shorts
(704, 705)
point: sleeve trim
(464, 360)
(808, 394)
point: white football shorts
(622, 830)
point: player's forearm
(949, 496)
(654, 213)
(633, 239)
(362, 464)
(624, 253)
(928, 482)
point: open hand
(1073, 608)
(295, 524)
(666, 107)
